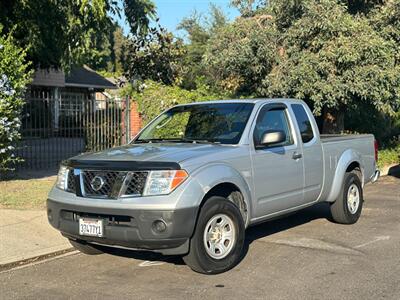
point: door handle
(297, 155)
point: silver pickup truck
(198, 175)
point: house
(81, 83)
(62, 116)
(67, 114)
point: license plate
(91, 227)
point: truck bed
(326, 138)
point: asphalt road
(303, 256)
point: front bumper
(129, 228)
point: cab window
(273, 119)
(303, 121)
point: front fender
(348, 157)
(209, 176)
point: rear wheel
(85, 248)
(347, 208)
(217, 243)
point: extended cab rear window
(303, 121)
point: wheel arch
(223, 180)
(349, 161)
(231, 192)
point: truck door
(277, 169)
(312, 153)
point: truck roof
(257, 100)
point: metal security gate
(56, 128)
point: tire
(85, 248)
(345, 210)
(205, 255)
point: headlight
(163, 182)
(62, 178)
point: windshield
(210, 123)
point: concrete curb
(26, 235)
(11, 264)
(35, 255)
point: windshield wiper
(193, 141)
(200, 141)
(147, 141)
(162, 140)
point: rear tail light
(376, 150)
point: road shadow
(394, 171)
(318, 211)
(283, 223)
(142, 255)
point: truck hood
(161, 152)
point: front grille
(71, 182)
(110, 186)
(107, 184)
(135, 186)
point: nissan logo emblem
(97, 183)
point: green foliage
(386, 20)
(63, 33)
(389, 156)
(138, 14)
(155, 56)
(248, 8)
(13, 79)
(336, 55)
(199, 30)
(336, 60)
(108, 53)
(242, 54)
(120, 44)
(153, 97)
(369, 120)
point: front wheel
(218, 240)
(347, 207)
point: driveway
(303, 256)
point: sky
(171, 12)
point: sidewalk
(26, 234)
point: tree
(62, 33)
(101, 57)
(14, 77)
(335, 61)
(386, 20)
(155, 56)
(336, 55)
(248, 8)
(108, 51)
(119, 50)
(241, 55)
(199, 30)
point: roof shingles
(86, 77)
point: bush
(368, 120)
(389, 155)
(153, 98)
(14, 76)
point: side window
(273, 119)
(303, 121)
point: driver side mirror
(272, 137)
